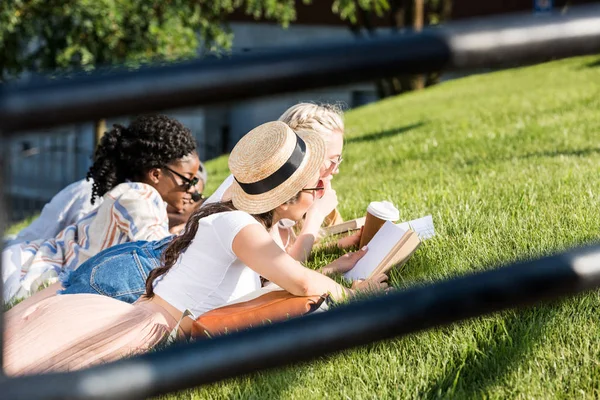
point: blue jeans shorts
(119, 272)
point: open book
(347, 226)
(392, 245)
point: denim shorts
(119, 272)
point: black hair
(127, 153)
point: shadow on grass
(383, 134)
(542, 154)
(494, 355)
(593, 64)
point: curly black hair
(127, 153)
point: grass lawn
(16, 228)
(507, 163)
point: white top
(66, 208)
(209, 274)
(130, 211)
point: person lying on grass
(74, 202)
(179, 217)
(298, 239)
(116, 273)
(136, 170)
(225, 249)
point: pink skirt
(69, 332)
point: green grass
(507, 163)
(16, 228)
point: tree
(62, 35)
(405, 15)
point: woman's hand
(328, 202)
(315, 215)
(345, 263)
(255, 247)
(375, 284)
(322, 207)
(350, 241)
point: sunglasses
(319, 190)
(187, 182)
(197, 196)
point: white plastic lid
(383, 210)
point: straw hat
(271, 164)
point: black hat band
(281, 175)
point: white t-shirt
(209, 274)
(66, 208)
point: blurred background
(65, 37)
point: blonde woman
(225, 249)
(326, 121)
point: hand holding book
(344, 263)
(351, 240)
(390, 244)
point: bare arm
(255, 248)
(303, 244)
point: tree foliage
(404, 15)
(51, 35)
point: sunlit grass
(507, 164)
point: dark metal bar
(3, 218)
(302, 339)
(217, 80)
(490, 42)
(518, 39)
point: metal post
(484, 43)
(491, 43)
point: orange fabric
(271, 307)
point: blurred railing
(485, 43)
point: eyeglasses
(334, 164)
(187, 182)
(319, 190)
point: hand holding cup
(378, 212)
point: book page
(422, 226)
(379, 247)
(400, 254)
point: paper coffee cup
(378, 212)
